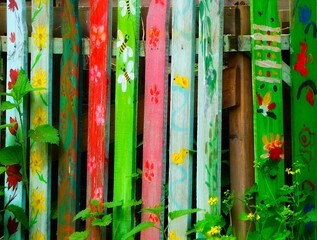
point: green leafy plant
(14, 157)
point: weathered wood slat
(304, 109)
(267, 99)
(155, 106)
(16, 59)
(209, 106)
(181, 114)
(41, 113)
(99, 64)
(127, 49)
(70, 116)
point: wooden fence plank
(69, 120)
(267, 99)
(16, 59)
(155, 106)
(209, 106)
(41, 113)
(181, 113)
(304, 120)
(125, 115)
(99, 64)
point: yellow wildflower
(36, 162)
(37, 202)
(38, 236)
(39, 80)
(250, 216)
(40, 117)
(214, 231)
(40, 36)
(257, 217)
(212, 201)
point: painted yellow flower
(37, 202)
(39, 80)
(181, 81)
(39, 2)
(172, 236)
(40, 117)
(214, 231)
(212, 201)
(36, 162)
(40, 36)
(179, 158)
(38, 236)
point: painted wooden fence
(169, 153)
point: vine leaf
(80, 235)
(45, 134)
(103, 222)
(84, 214)
(11, 155)
(179, 213)
(137, 229)
(7, 105)
(19, 213)
(22, 86)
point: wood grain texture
(125, 115)
(98, 112)
(181, 114)
(16, 59)
(155, 106)
(69, 147)
(41, 113)
(209, 105)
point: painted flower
(173, 236)
(265, 105)
(149, 171)
(214, 231)
(181, 81)
(100, 115)
(95, 74)
(91, 164)
(212, 201)
(274, 147)
(40, 117)
(14, 73)
(154, 218)
(39, 80)
(98, 35)
(37, 202)
(38, 2)
(12, 37)
(13, 5)
(98, 194)
(179, 158)
(36, 162)
(159, 2)
(38, 236)
(12, 225)
(40, 36)
(13, 130)
(154, 94)
(154, 35)
(14, 175)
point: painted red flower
(149, 171)
(13, 5)
(274, 147)
(13, 130)
(266, 105)
(159, 2)
(14, 175)
(12, 37)
(154, 94)
(154, 218)
(310, 97)
(154, 34)
(12, 225)
(14, 73)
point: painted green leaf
(84, 214)
(80, 235)
(45, 134)
(11, 155)
(137, 229)
(103, 222)
(8, 105)
(179, 213)
(20, 214)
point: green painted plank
(209, 105)
(267, 99)
(41, 113)
(68, 182)
(125, 115)
(16, 59)
(304, 109)
(181, 114)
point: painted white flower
(100, 115)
